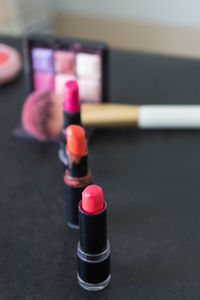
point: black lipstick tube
(69, 118)
(77, 178)
(93, 252)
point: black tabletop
(151, 182)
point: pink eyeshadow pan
(90, 89)
(64, 61)
(43, 81)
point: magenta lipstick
(71, 108)
(77, 176)
(93, 252)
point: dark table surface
(151, 181)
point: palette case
(50, 61)
(49, 67)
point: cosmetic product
(10, 63)
(77, 176)
(93, 251)
(42, 116)
(143, 116)
(71, 109)
(51, 61)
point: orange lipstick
(77, 177)
(76, 141)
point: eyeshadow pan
(88, 65)
(89, 89)
(43, 81)
(64, 61)
(60, 80)
(43, 60)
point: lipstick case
(76, 179)
(93, 252)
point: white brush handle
(169, 116)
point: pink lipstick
(71, 101)
(93, 252)
(71, 108)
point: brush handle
(169, 116)
(109, 115)
(144, 116)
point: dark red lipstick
(77, 176)
(93, 250)
(71, 109)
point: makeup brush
(143, 116)
(42, 115)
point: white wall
(184, 13)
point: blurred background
(156, 26)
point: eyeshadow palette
(50, 62)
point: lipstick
(93, 252)
(71, 108)
(77, 176)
